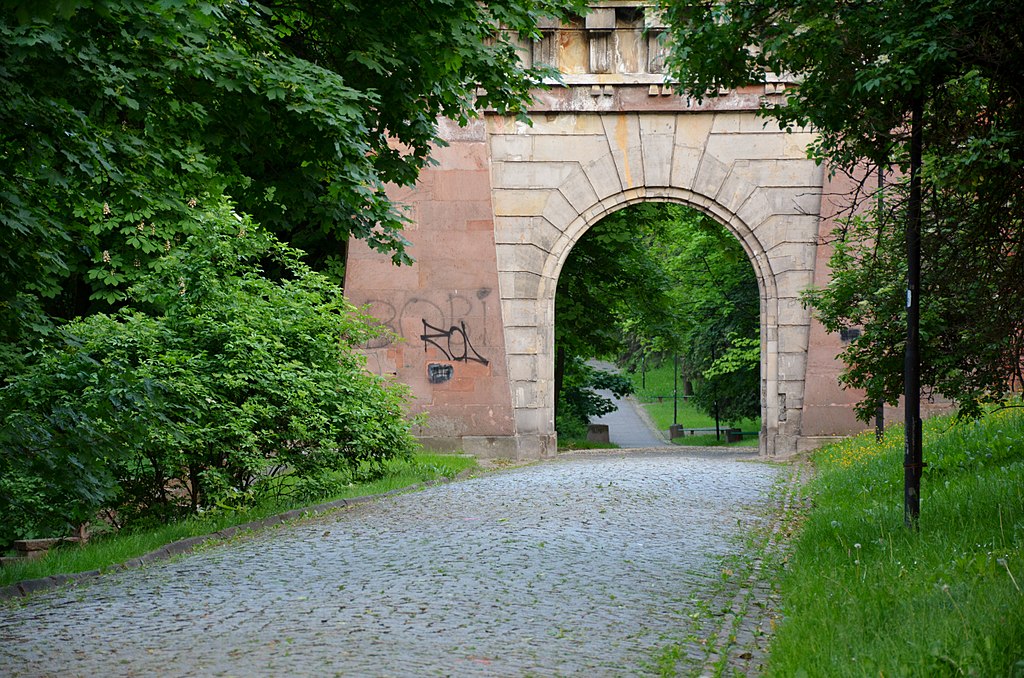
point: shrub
(578, 399)
(215, 384)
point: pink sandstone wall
(828, 408)
(445, 307)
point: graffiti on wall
(438, 373)
(459, 350)
(443, 321)
(439, 311)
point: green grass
(864, 595)
(113, 548)
(656, 398)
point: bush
(215, 384)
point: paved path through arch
(628, 425)
(585, 565)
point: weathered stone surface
(184, 545)
(734, 193)
(30, 586)
(491, 447)
(597, 433)
(519, 202)
(604, 176)
(531, 174)
(578, 190)
(509, 201)
(538, 420)
(27, 546)
(711, 174)
(728, 148)
(559, 211)
(622, 134)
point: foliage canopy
(171, 174)
(119, 114)
(217, 385)
(862, 67)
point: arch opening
(658, 285)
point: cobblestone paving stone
(585, 565)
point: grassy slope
(106, 550)
(866, 596)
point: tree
(608, 275)
(157, 339)
(216, 385)
(932, 87)
(120, 115)
(863, 68)
(715, 300)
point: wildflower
(192, 202)
(106, 256)
(106, 210)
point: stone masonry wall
(445, 308)
(494, 222)
(556, 178)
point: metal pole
(880, 410)
(912, 453)
(880, 421)
(718, 425)
(675, 389)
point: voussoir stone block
(657, 157)
(559, 211)
(604, 176)
(578, 190)
(711, 174)
(623, 139)
(734, 192)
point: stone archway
(553, 180)
(493, 221)
(768, 293)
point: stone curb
(28, 587)
(745, 653)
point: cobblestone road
(587, 565)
